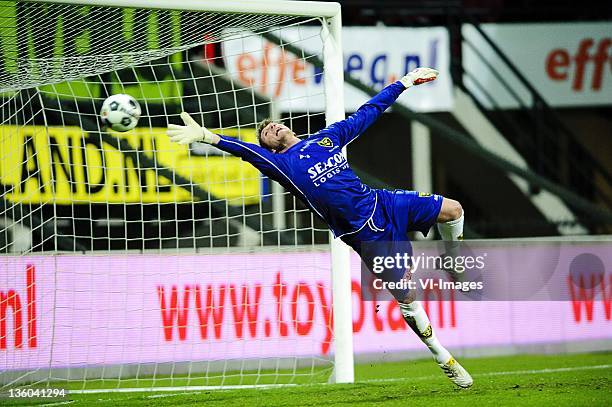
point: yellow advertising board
(67, 165)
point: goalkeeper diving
(315, 171)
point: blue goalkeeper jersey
(316, 171)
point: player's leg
(450, 220)
(450, 225)
(420, 211)
(415, 316)
(412, 210)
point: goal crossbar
(272, 7)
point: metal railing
(534, 128)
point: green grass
(558, 380)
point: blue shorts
(397, 213)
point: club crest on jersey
(326, 142)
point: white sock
(452, 234)
(452, 230)
(417, 319)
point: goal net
(130, 262)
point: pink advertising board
(93, 310)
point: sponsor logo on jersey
(424, 194)
(324, 170)
(326, 142)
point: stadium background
(564, 143)
(568, 144)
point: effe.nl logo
(274, 69)
(560, 62)
(12, 300)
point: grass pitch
(557, 380)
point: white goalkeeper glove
(190, 132)
(419, 76)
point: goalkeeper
(316, 171)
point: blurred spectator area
(438, 12)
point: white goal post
(329, 14)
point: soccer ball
(120, 112)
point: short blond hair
(262, 125)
